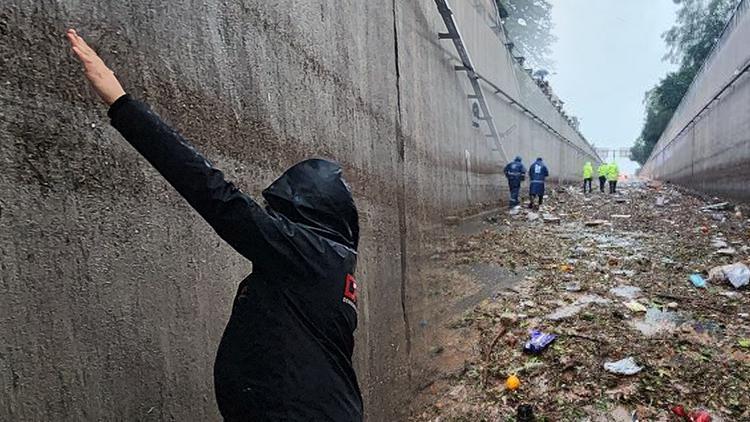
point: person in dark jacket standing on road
(515, 173)
(286, 353)
(537, 173)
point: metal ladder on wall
(455, 35)
(474, 77)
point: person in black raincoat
(515, 173)
(286, 353)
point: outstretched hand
(101, 77)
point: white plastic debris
(721, 206)
(627, 292)
(549, 218)
(593, 223)
(625, 366)
(738, 274)
(727, 251)
(635, 306)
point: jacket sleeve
(239, 220)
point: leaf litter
(691, 345)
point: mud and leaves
(583, 283)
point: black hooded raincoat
(286, 352)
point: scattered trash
(627, 292)
(573, 287)
(635, 306)
(679, 411)
(717, 243)
(589, 286)
(538, 342)
(525, 413)
(549, 218)
(566, 268)
(512, 383)
(700, 416)
(721, 206)
(576, 307)
(657, 321)
(592, 223)
(625, 366)
(698, 281)
(738, 274)
(532, 216)
(727, 252)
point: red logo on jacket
(350, 291)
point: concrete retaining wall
(114, 294)
(706, 145)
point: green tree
(529, 26)
(698, 26)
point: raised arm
(239, 220)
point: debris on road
(512, 383)
(635, 306)
(626, 292)
(625, 366)
(738, 274)
(551, 219)
(698, 281)
(574, 308)
(538, 342)
(721, 206)
(581, 277)
(593, 223)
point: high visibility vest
(613, 172)
(588, 169)
(601, 171)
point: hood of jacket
(313, 193)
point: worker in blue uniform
(516, 173)
(537, 173)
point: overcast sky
(608, 53)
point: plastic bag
(625, 366)
(738, 274)
(538, 342)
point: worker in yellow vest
(588, 173)
(613, 173)
(601, 172)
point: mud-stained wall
(706, 145)
(114, 293)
